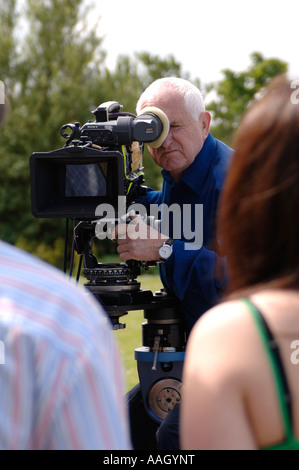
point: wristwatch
(166, 249)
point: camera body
(99, 162)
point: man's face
(186, 135)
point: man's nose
(168, 139)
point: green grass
(130, 337)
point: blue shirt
(191, 273)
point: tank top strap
(274, 358)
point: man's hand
(137, 240)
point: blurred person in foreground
(60, 372)
(241, 380)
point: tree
(47, 82)
(8, 21)
(153, 67)
(236, 92)
(57, 75)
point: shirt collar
(196, 173)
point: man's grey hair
(193, 98)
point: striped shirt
(61, 380)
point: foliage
(236, 92)
(55, 76)
(43, 93)
(53, 67)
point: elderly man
(194, 166)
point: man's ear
(206, 121)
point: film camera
(99, 166)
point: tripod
(160, 358)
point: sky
(204, 36)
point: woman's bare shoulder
(222, 316)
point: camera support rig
(160, 359)
(97, 165)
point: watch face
(165, 251)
